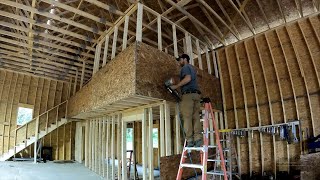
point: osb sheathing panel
(273, 59)
(113, 82)
(139, 70)
(310, 166)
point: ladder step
(216, 160)
(219, 173)
(194, 148)
(198, 166)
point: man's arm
(184, 81)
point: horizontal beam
(111, 9)
(79, 12)
(51, 58)
(46, 26)
(23, 68)
(39, 49)
(45, 43)
(46, 35)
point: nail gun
(174, 92)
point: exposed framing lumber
(125, 33)
(245, 106)
(107, 145)
(119, 122)
(175, 43)
(124, 150)
(177, 121)
(86, 146)
(219, 18)
(281, 11)
(199, 54)
(162, 131)
(159, 33)
(243, 16)
(193, 19)
(168, 128)
(269, 100)
(234, 108)
(139, 23)
(303, 76)
(3, 125)
(208, 60)
(144, 144)
(263, 13)
(114, 43)
(282, 101)
(113, 147)
(105, 52)
(150, 145)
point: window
(25, 113)
(155, 137)
(129, 139)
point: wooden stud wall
(42, 94)
(269, 79)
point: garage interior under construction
(83, 96)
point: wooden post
(113, 147)
(139, 23)
(150, 149)
(144, 145)
(234, 109)
(215, 66)
(75, 83)
(159, 33)
(246, 107)
(125, 33)
(86, 156)
(36, 141)
(175, 42)
(189, 47)
(162, 131)
(178, 121)
(108, 145)
(97, 58)
(82, 73)
(114, 42)
(208, 60)
(199, 54)
(103, 148)
(168, 129)
(124, 150)
(119, 145)
(105, 51)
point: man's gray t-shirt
(188, 69)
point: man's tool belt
(191, 92)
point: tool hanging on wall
(286, 131)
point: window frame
(22, 105)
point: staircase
(36, 129)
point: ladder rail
(204, 152)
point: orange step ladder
(204, 149)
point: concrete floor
(10, 170)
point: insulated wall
(269, 79)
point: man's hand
(173, 87)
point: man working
(190, 102)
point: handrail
(40, 115)
(37, 119)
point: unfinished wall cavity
(269, 79)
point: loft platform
(134, 78)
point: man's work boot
(198, 143)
